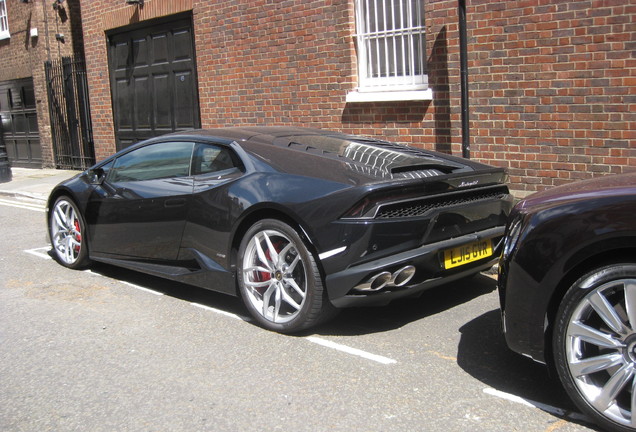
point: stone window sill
(389, 96)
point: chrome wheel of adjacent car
(278, 278)
(66, 229)
(595, 345)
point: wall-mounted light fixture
(135, 2)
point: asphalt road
(113, 350)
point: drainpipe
(46, 30)
(463, 60)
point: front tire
(595, 345)
(67, 231)
(279, 280)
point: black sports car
(567, 285)
(299, 222)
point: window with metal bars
(4, 21)
(390, 38)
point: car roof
(331, 155)
(246, 133)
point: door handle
(175, 202)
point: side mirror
(95, 176)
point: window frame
(221, 167)
(400, 34)
(4, 21)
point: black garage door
(153, 80)
(19, 135)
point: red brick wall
(295, 63)
(553, 88)
(273, 62)
(551, 82)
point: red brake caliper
(265, 276)
(78, 235)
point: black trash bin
(5, 168)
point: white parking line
(157, 293)
(534, 404)
(221, 312)
(352, 351)
(37, 252)
(22, 205)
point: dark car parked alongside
(298, 222)
(567, 285)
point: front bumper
(428, 262)
(523, 306)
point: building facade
(551, 83)
(32, 32)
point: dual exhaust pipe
(383, 279)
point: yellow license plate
(468, 253)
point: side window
(209, 159)
(155, 161)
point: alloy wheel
(66, 232)
(275, 276)
(600, 350)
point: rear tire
(594, 345)
(279, 280)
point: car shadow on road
(366, 320)
(348, 322)
(483, 353)
(178, 290)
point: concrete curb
(15, 194)
(35, 184)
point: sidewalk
(34, 183)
